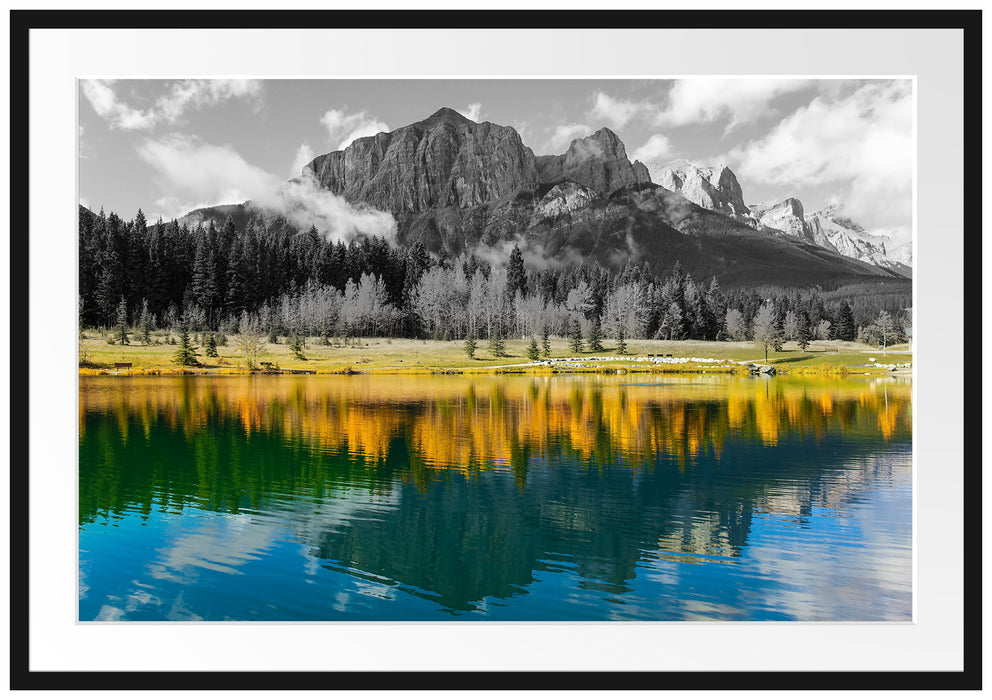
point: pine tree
(145, 323)
(185, 355)
(845, 328)
(296, 346)
(497, 346)
(621, 342)
(596, 336)
(545, 342)
(516, 276)
(470, 345)
(533, 352)
(575, 337)
(121, 334)
(804, 332)
(211, 346)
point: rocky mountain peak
(445, 115)
(715, 188)
(598, 161)
(442, 161)
(785, 216)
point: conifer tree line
(226, 278)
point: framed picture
(586, 358)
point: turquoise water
(515, 498)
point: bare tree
(250, 339)
(765, 333)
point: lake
(582, 497)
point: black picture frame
(21, 675)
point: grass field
(402, 355)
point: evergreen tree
(516, 276)
(185, 355)
(296, 346)
(621, 342)
(804, 332)
(497, 346)
(121, 335)
(596, 336)
(211, 346)
(145, 323)
(545, 342)
(470, 345)
(845, 328)
(575, 337)
(533, 352)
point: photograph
(491, 349)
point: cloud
(616, 112)
(563, 135)
(199, 174)
(861, 143)
(117, 114)
(182, 96)
(305, 203)
(304, 154)
(737, 100)
(657, 148)
(209, 173)
(343, 128)
(473, 111)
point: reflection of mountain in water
(474, 487)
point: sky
(170, 146)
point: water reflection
(526, 498)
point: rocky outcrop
(833, 230)
(445, 160)
(716, 188)
(598, 162)
(785, 216)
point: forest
(209, 278)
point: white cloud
(170, 107)
(737, 100)
(196, 94)
(861, 143)
(657, 148)
(304, 154)
(199, 174)
(563, 135)
(103, 99)
(616, 112)
(343, 128)
(473, 111)
(216, 174)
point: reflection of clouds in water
(224, 544)
(836, 573)
(221, 545)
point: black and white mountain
(463, 187)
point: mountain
(459, 186)
(785, 216)
(716, 188)
(840, 233)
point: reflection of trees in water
(487, 479)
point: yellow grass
(410, 356)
